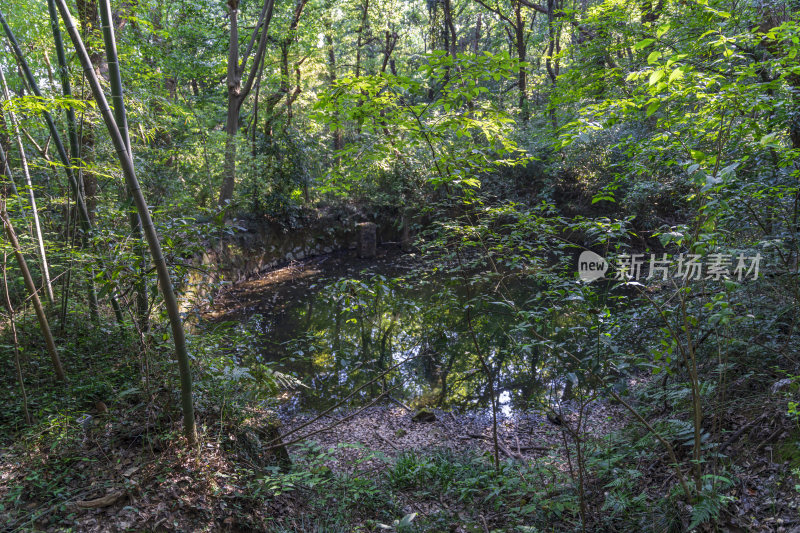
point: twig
(768, 439)
(736, 434)
(387, 441)
(276, 444)
(401, 404)
(328, 428)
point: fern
(287, 381)
(709, 507)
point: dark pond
(391, 325)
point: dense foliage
(497, 140)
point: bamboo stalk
(17, 364)
(66, 90)
(31, 286)
(74, 152)
(86, 222)
(149, 229)
(122, 122)
(5, 170)
(37, 227)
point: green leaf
(656, 76)
(644, 43)
(603, 197)
(676, 74)
(768, 140)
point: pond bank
(392, 431)
(254, 247)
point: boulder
(424, 415)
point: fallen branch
(387, 441)
(31, 518)
(328, 428)
(509, 453)
(769, 439)
(105, 501)
(736, 434)
(276, 442)
(401, 404)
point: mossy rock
(424, 415)
(789, 450)
(255, 435)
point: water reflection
(393, 327)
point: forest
(469, 266)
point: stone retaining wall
(258, 247)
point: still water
(396, 327)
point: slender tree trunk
(75, 154)
(360, 43)
(17, 363)
(150, 233)
(475, 40)
(237, 91)
(122, 122)
(338, 138)
(477, 37)
(31, 286)
(63, 70)
(285, 70)
(450, 29)
(229, 167)
(5, 170)
(254, 129)
(66, 284)
(553, 47)
(522, 75)
(77, 190)
(37, 227)
(360, 31)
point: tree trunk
(238, 92)
(229, 167)
(522, 75)
(450, 29)
(122, 122)
(553, 47)
(37, 227)
(31, 286)
(126, 161)
(338, 138)
(17, 363)
(360, 31)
